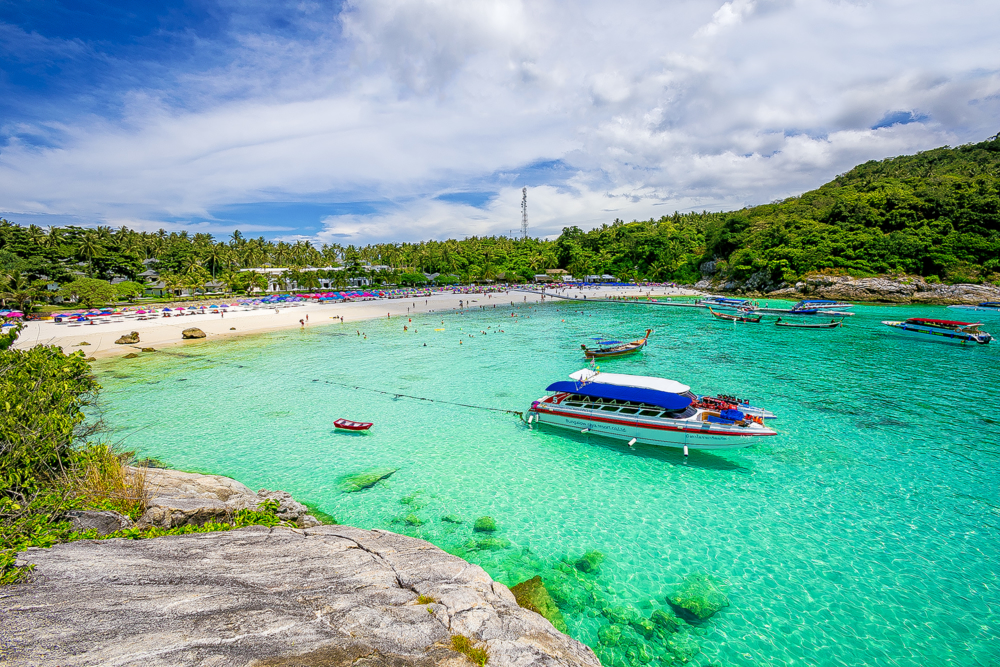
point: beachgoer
(302, 323)
(275, 311)
(307, 317)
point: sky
(401, 120)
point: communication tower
(524, 212)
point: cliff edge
(327, 595)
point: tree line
(934, 214)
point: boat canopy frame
(662, 399)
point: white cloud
(652, 107)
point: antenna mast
(524, 212)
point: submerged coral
(590, 561)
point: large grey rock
(332, 595)
(184, 498)
(104, 522)
(904, 289)
(177, 484)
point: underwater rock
(699, 596)
(487, 544)
(485, 524)
(683, 645)
(610, 635)
(644, 627)
(193, 332)
(149, 349)
(128, 339)
(131, 355)
(533, 595)
(664, 621)
(621, 615)
(413, 500)
(366, 480)
(413, 520)
(590, 562)
(451, 518)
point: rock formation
(128, 339)
(183, 498)
(331, 595)
(103, 521)
(193, 332)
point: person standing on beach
(302, 324)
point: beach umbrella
(15, 313)
(167, 310)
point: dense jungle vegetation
(935, 214)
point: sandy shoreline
(162, 332)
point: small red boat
(348, 425)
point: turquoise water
(866, 533)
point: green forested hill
(935, 214)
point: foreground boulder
(193, 332)
(128, 339)
(332, 595)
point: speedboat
(819, 304)
(944, 331)
(984, 307)
(725, 303)
(650, 410)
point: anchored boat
(832, 324)
(984, 307)
(744, 317)
(725, 303)
(944, 331)
(348, 425)
(651, 410)
(615, 348)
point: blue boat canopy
(817, 301)
(663, 399)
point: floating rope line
(394, 394)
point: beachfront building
(554, 276)
(605, 278)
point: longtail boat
(735, 318)
(943, 331)
(615, 348)
(832, 324)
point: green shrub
(464, 645)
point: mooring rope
(395, 394)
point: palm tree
(88, 247)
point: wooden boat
(615, 348)
(348, 425)
(832, 324)
(735, 318)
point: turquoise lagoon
(866, 533)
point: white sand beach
(164, 331)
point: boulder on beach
(149, 349)
(365, 480)
(533, 595)
(699, 596)
(193, 332)
(129, 339)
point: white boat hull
(933, 335)
(661, 432)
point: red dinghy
(348, 425)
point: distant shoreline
(163, 332)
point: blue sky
(396, 120)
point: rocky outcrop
(128, 339)
(907, 289)
(331, 595)
(104, 522)
(193, 332)
(183, 498)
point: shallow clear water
(865, 533)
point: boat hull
(663, 433)
(932, 335)
(597, 354)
